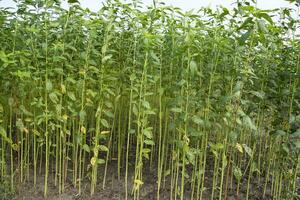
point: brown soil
(115, 189)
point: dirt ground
(115, 189)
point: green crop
(186, 95)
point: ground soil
(115, 189)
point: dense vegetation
(180, 93)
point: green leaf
(49, 86)
(176, 110)
(248, 122)
(224, 13)
(193, 67)
(24, 110)
(246, 22)
(4, 135)
(191, 157)
(266, 17)
(23, 74)
(108, 113)
(146, 104)
(146, 150)
(150, 112)
(103, 148)
(73, 1)
(106, 58)
(104, 123)
(217, 146)
(260, 95)
(82, 115)
(297, 144)
(20, 125)
(244, 37)
(196, 133)
(108, 104)
(149, 142)
(71, 95)
(279, 133)
(100, 161)
(248, 150)
(197, 120)
(148, 132)
(53, 97)
(237, 173)
(86, 148)
(135, 110)
(154, 56)
(3, 57)
(262, 26)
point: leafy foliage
(185, 91)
